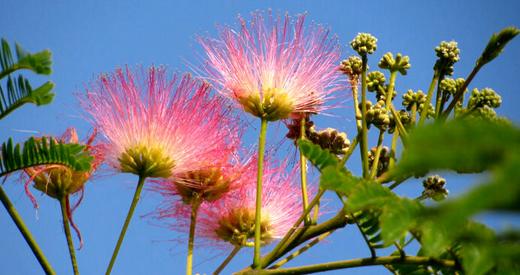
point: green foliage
(39, 62)
(496, 44)
(42, 151)
(461, 145)
(316, 155)
(19, 91)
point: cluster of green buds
(364, 43)
(448, 55)
(411, 98)
(378, 115)
(482, 105)
(352, 67)
(485, 97)
(450, 86)
(384, 159)
(434, 188)
(376, 81)
(400, 63)
(329, 139)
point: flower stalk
(228, 259)
(35, 248)
(364, 129)
(193, 221)
(303, 171)
(64, 213)
(135, 200)
(258, 209)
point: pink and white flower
(274, 66)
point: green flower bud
(448, 51)
(434, 188)
(411, 97)
(448, 54)
(375, 81)
(378, 116)
(364, 43)
(384, 159)
(450, 85)
(352, 66)
(484, 97)
(400, 63)
(430, 110)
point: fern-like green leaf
(41, 152)
(20, 92)
(39, 62)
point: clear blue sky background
(90, 37)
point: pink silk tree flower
(274, 67)
(232, 219)
(60, 182)
(156, 126)
(203, 185)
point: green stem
(357, 112)
(13, 69)
(413, 113)
(193, 221)
(258, 212)
(391, 86)
(393, 148)
(460, 91)
(137, 195)
(25, 232)
(303, 172)
(429, 96)
(399, 124)
(408, 260)
(65, 217)
(370, 247)
(364, 129)
(440, 97)
(379, 147)
(301, 250)
(227, 260)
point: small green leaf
(316, 155)
(496, 44)
(337, 179)
(397, 218)
(370, 195)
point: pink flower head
(232, 218)
(209, 184)
(157, 126)
(57, 180)
(274, 66)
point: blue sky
(90, 38)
